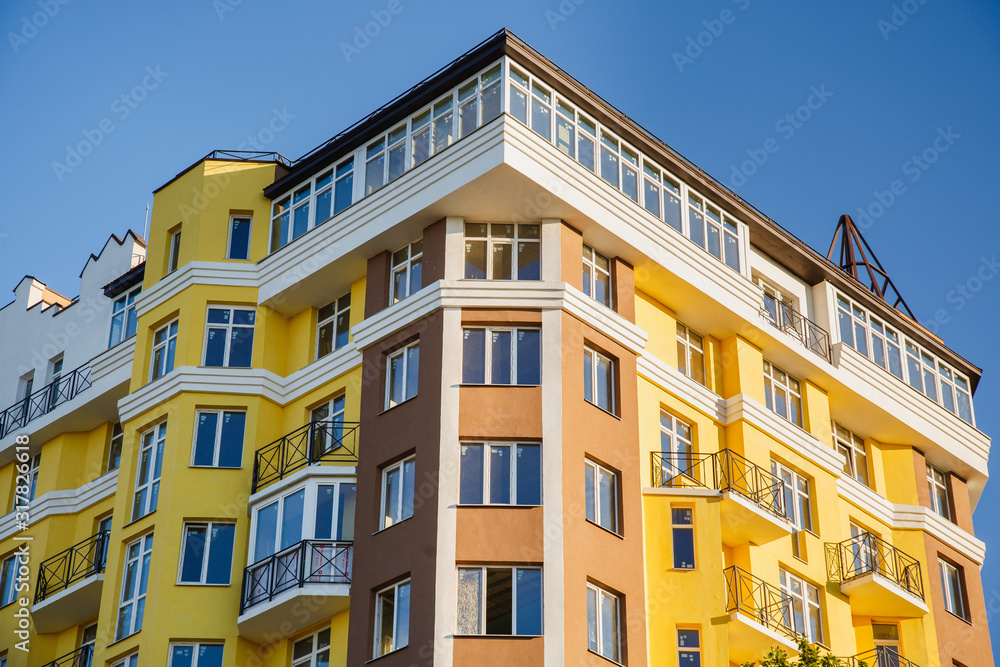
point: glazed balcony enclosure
(759, 616)
(69, 585)
(752, 504)
(879, 579)
(329, 441)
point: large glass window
(937, 488)
(218, 439)
(164, 347)
(135, 579)
(407, 271)
(795, 489)
(803, 614)
(854, 451)
(499, 601)
(397, 492)
(601, 496)
(598, 379)
(501, 251)
(8, 579)
(195, 655)
(123, 318)
(952, 588)
(312, 204)
(493, 355)
(278, 525)
(596, 276)
(682, 534)
(603, 623)
(500, 474)
(392, 618)
(318, 511)
(147, 478)
(239, 237)
(229, 337)
(402, 375)
(312, 651)
(783, 394)
(207, 553)
(334, 326)
(690, 354)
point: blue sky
(155, 87)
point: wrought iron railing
(70, 566)
(724, 470)
(45, 400)
(760, 601)
(308, 562)
(328, 441)
(870, 554)
(249, 156)
(792, 322)
(880, 656)
(81, 657)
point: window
(854, 451)
(402, 371)
(239, 237)
(195, 655)
(496, 251)
(500, 474)
(334, 326)
(312, 651)
(795, 490)
(33, 467)
(313, 204)
(603, 623)
(278, 525)
(676, 447)
(397, 493)
(407, 271)
(207, 553)
(688, 648)
(328, 432)
(886, 636)
(8, 579)
(682, 532)
(714, 230)
(499, 601)
(88, 642)
(164, 346)
(937, 487)
(147, 479)
(175, 251)
(783, 394)
(130, 661)
(392, 618)
(115, 448)
(123, 318)
(26, 385)
(135, 577)
(218, 439)
(690, 354)
(778, 307)
(598, 379)
(55, 375)
(863, 551)
(601, 493)
(318, 511)
(229, 337)
(802, 614)
(596, 276)
(501, 356)
(953, 588)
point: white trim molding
(70, 501)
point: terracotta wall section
(509, 535)
(499, 652)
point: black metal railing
(870, 554)
(45, 400)
(249, 156)
(792, 322)
(760, 601)
(880, 656)
(724, 470)
(308, 562)
(81, 657)
(70, 566)
(328, 441)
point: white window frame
(229, 241)
(327, 180)
(793, 486)
(316, 642)
(787, 579)
(690, 342)
(124, 305)
(338, 308)
(131, 660)
(8, 579)
(413, 257)
(694, 650)
(194, 652)
(396, 620)
(792, 388)
(952, 580)
(778, 306)
(853, 447)
(143, 553)
(170, 338)
(206, 553)
(488, 354)
(173, 258)
(409, 463)
(681, 434)
(157, 437)
(310, 503)
(596, 357)
(34, 466)
(229, 327)
(217, 438)
(512, 448)
(592, 269)
(593, 472)
(483, 603)
(937, 481)
(514, 242)
(117, 443)
(403, 352)
(598, 595)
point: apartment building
(491, 377)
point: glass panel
(499, 475)
(541, 118)
(408, 474)
(592, 619)
(470, 601)
(215, 348)
(499, 601)
(474, 356)
(500, 350)
(220, 554)
(529, 602)
(607, 500)
(403, 616)
(529, 475)
(325, 500)
(345, 512)
(412, 370)
(204, 447)
(387, 607)
(291, 519)
(194, 553)
(502, 261)
(240, 347)
(267, 529)
(390, 496)
(528, 261)
(609, 627)
(471, 475)
(529, 353)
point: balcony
(878, 578)
(274, 588)
(758, 613)
(328, 441)
(880, 656)
(69, 585)
(45, 400)
(812, 336)
(81, 657)
(752, 508)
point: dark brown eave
(126, 281)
